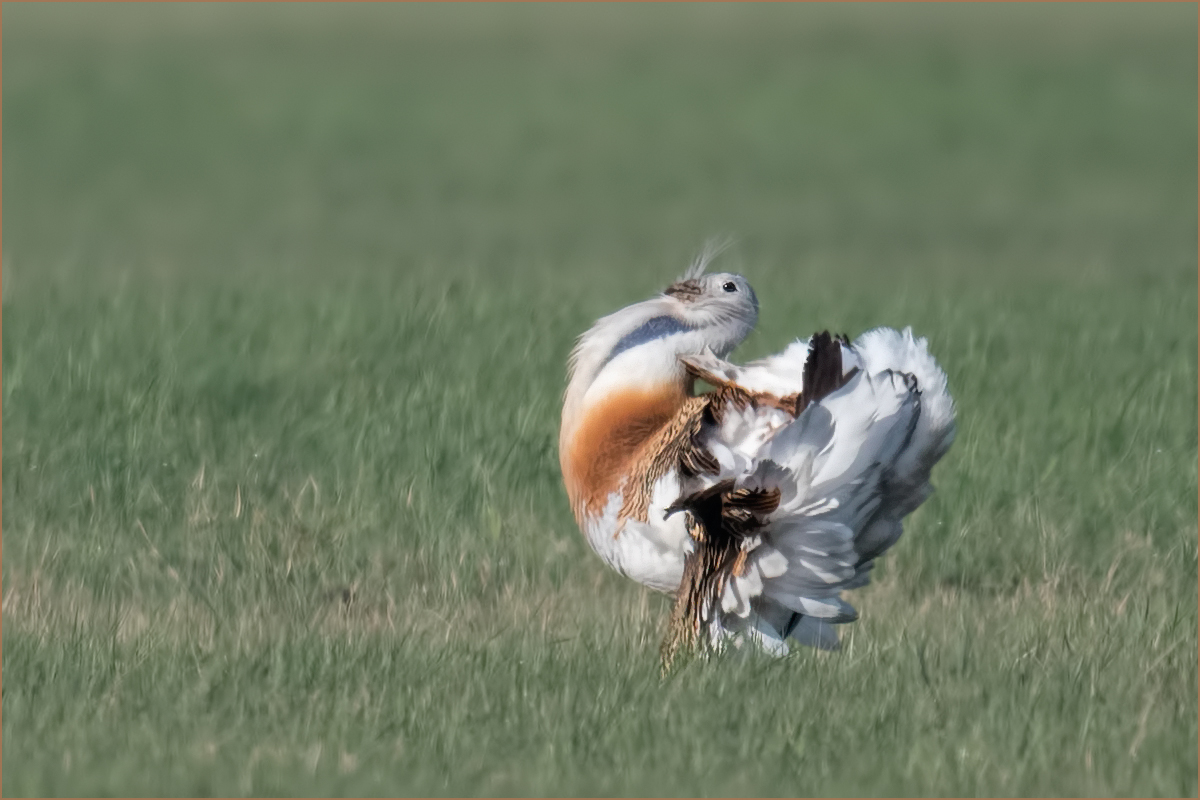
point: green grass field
(288, 295)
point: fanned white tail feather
(848, 469)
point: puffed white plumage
(758, 503)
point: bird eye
(730, 286)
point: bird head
(639, 346)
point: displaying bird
(759, 502)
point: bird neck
(612, 407)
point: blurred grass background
(288, 294)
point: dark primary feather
(822, 369)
